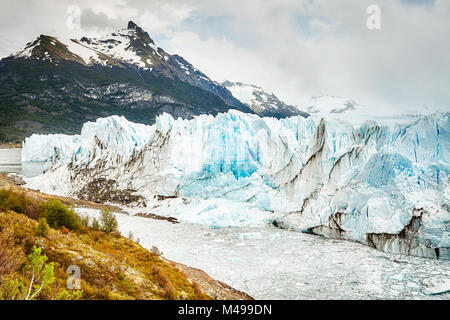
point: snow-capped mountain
(383, 184)
(263, 103)
(126, 47)
(345, 109)
(325, 106)
(121, 73)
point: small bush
(84, 220)
(116, 234)
(160, 276)
(33, 210)
(59, 215)
(10, 200)
(64, 230)
(126, 285)
(168, 292)
(42, 272)
(11, 288)
(156, 251)
(108, 221)
(95, 224)
(42, 228)
(20, 203)
(97, 235)
(66, 295)
(197, 291)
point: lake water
(271, 263)
(11, 161)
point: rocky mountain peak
(144, 36)
(132, 25)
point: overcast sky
(294, 48)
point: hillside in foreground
(112, 266)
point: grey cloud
(219, 27)
(295, 48)
(89, 19)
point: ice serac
(383, 184)
(54, 148)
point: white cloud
(295, 48)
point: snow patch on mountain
(88, 55)
(245, 93)
(27, 51)
(118, 46)
(262, 102)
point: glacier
(380, 182)
(53, 148)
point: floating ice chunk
(275, 237)
(249, 236)
(435, 286)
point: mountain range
(55, 85)
(263, 103)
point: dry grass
(11, 256)
(112, 266)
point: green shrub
(59, 215)
(42, 273)
(95, 224)
(108, 221)
(66, 295)
(11, 288)
(84, 220)
(19, 202)
(10, 200)
(42, 228)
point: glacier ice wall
(54, 148)
(384, 184)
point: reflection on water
(10, 161)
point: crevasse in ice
(377, 182)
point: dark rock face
(144, 36)
(103, 190)
(16, 179)
(349, 105)
(56, 91)
(405, 242)
(333, 230)
(132, 25)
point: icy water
(10, 161)
(270, 263)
